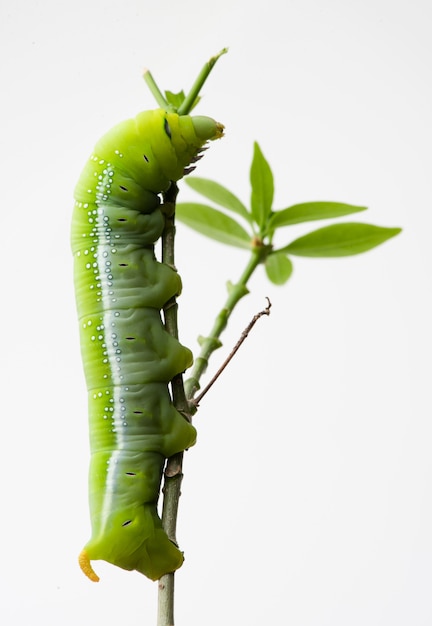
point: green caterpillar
(128, 356)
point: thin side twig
(243, 337)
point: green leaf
(278, 268)
(213, 224)
(177, 99)
(340, 240)
(261, 179)
(218, 194)
(308, 211)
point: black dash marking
(167, 128)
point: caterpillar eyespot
(128, 356)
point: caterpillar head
(177, 141)
(147, 153)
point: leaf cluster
(256, 228)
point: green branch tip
(217, 56)
(188, 103)
(151, 84)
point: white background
(307, 500)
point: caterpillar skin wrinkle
(128, 356)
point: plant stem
(173, 469)
(189, 102)
(158, 95)
(210, 343)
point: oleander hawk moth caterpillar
(128, 356)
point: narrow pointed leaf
(340, 240)
(262, 185)
(175, 99)
(309, 211)
(218, 194)
(278, 268)
(213, 224)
